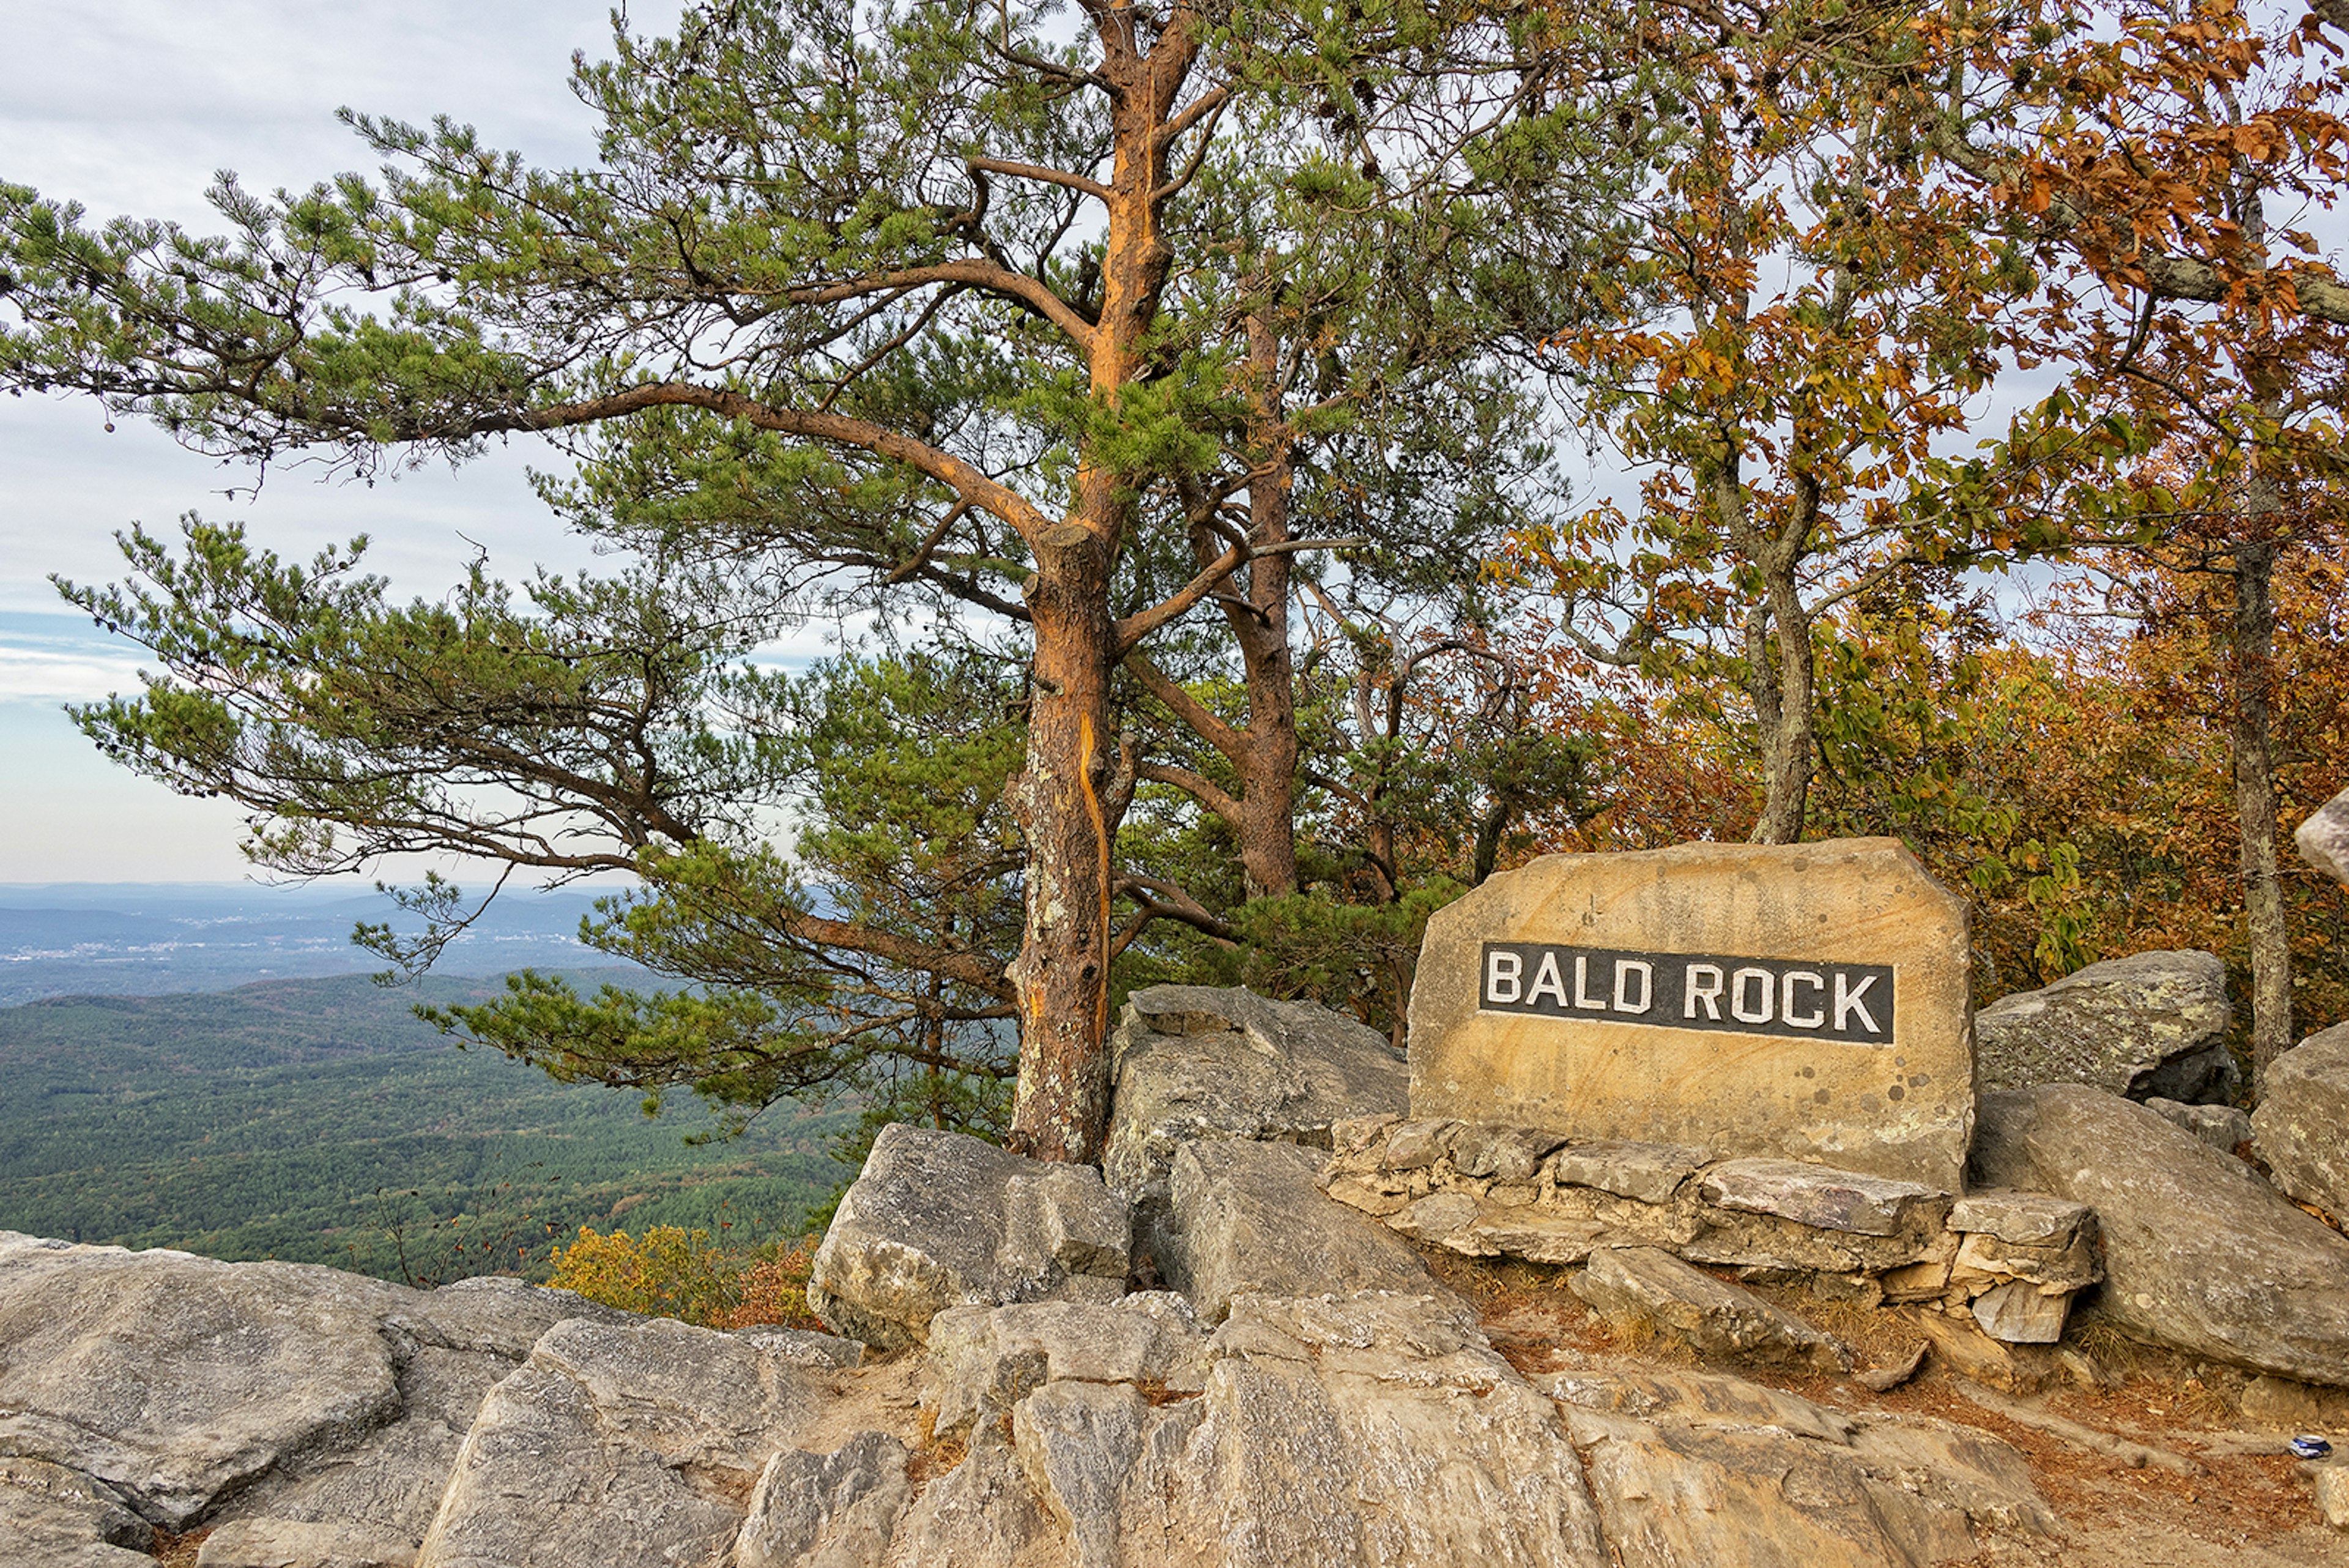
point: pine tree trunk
(1062, 1109)
(1268, 774)
(1063, 797)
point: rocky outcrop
(1361, 1428)
(1642, 1284)
(60, 1517)
(2198, 1253)
(304, 1393)
(2224, 1127)
(2302, 1127)
(1373, 1428)
(1193, 1062)
(299, 1404)
(1250, 1217)
(1694, 1468)
(633, 1443)
(2154, 1024)
(2324, 839)
(941, 1219)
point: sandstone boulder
(2223, 1127)
(621, 1444)
(1644, 1284)
(1688, 1468)
(1788, 1001)
(175, 1378)
(1193, 1062)
(2153, 1023)
(940, 1219)
(2302, 1127)
(60, 1517)
(2198, 1253)
(1251, 1217)
(2324, 839)
(984, 1360)
(826, 1511)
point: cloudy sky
(130, 108)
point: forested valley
(317, 1121)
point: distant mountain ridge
(160, 938)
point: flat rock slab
(2301, 1128)
(291, 1544)
(940, 1219)
(1647, 1284)
(175, 1378)
(1803, 1001)
(1250, 1217)
(1689, 1470)
(2224, 1127)
(2199, 1253)
(1824, 1199)
(2025, 1219)
(984, 1360)
(2151, 1024)
(622, 1445)
(2020, 1312)
(2324, 839)
(1644, 1172)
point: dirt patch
(180, 1551)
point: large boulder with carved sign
(2151, 1025)
(1802, 1001)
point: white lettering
(1582, 997)
(1847, 1002)
(1709, 992)
(1501, 969)
(1546, 978)
(1624, 970)
(1742, 982)
(1787, 1012)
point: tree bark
(1061, 799)
(1064, 797)
(2252, 648)
(1260, 626)
(1787, 757)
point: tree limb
(1187, 708)
(1198, 786)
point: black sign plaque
(1799, 997)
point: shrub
(672, 1272)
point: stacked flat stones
(2014, 1260)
